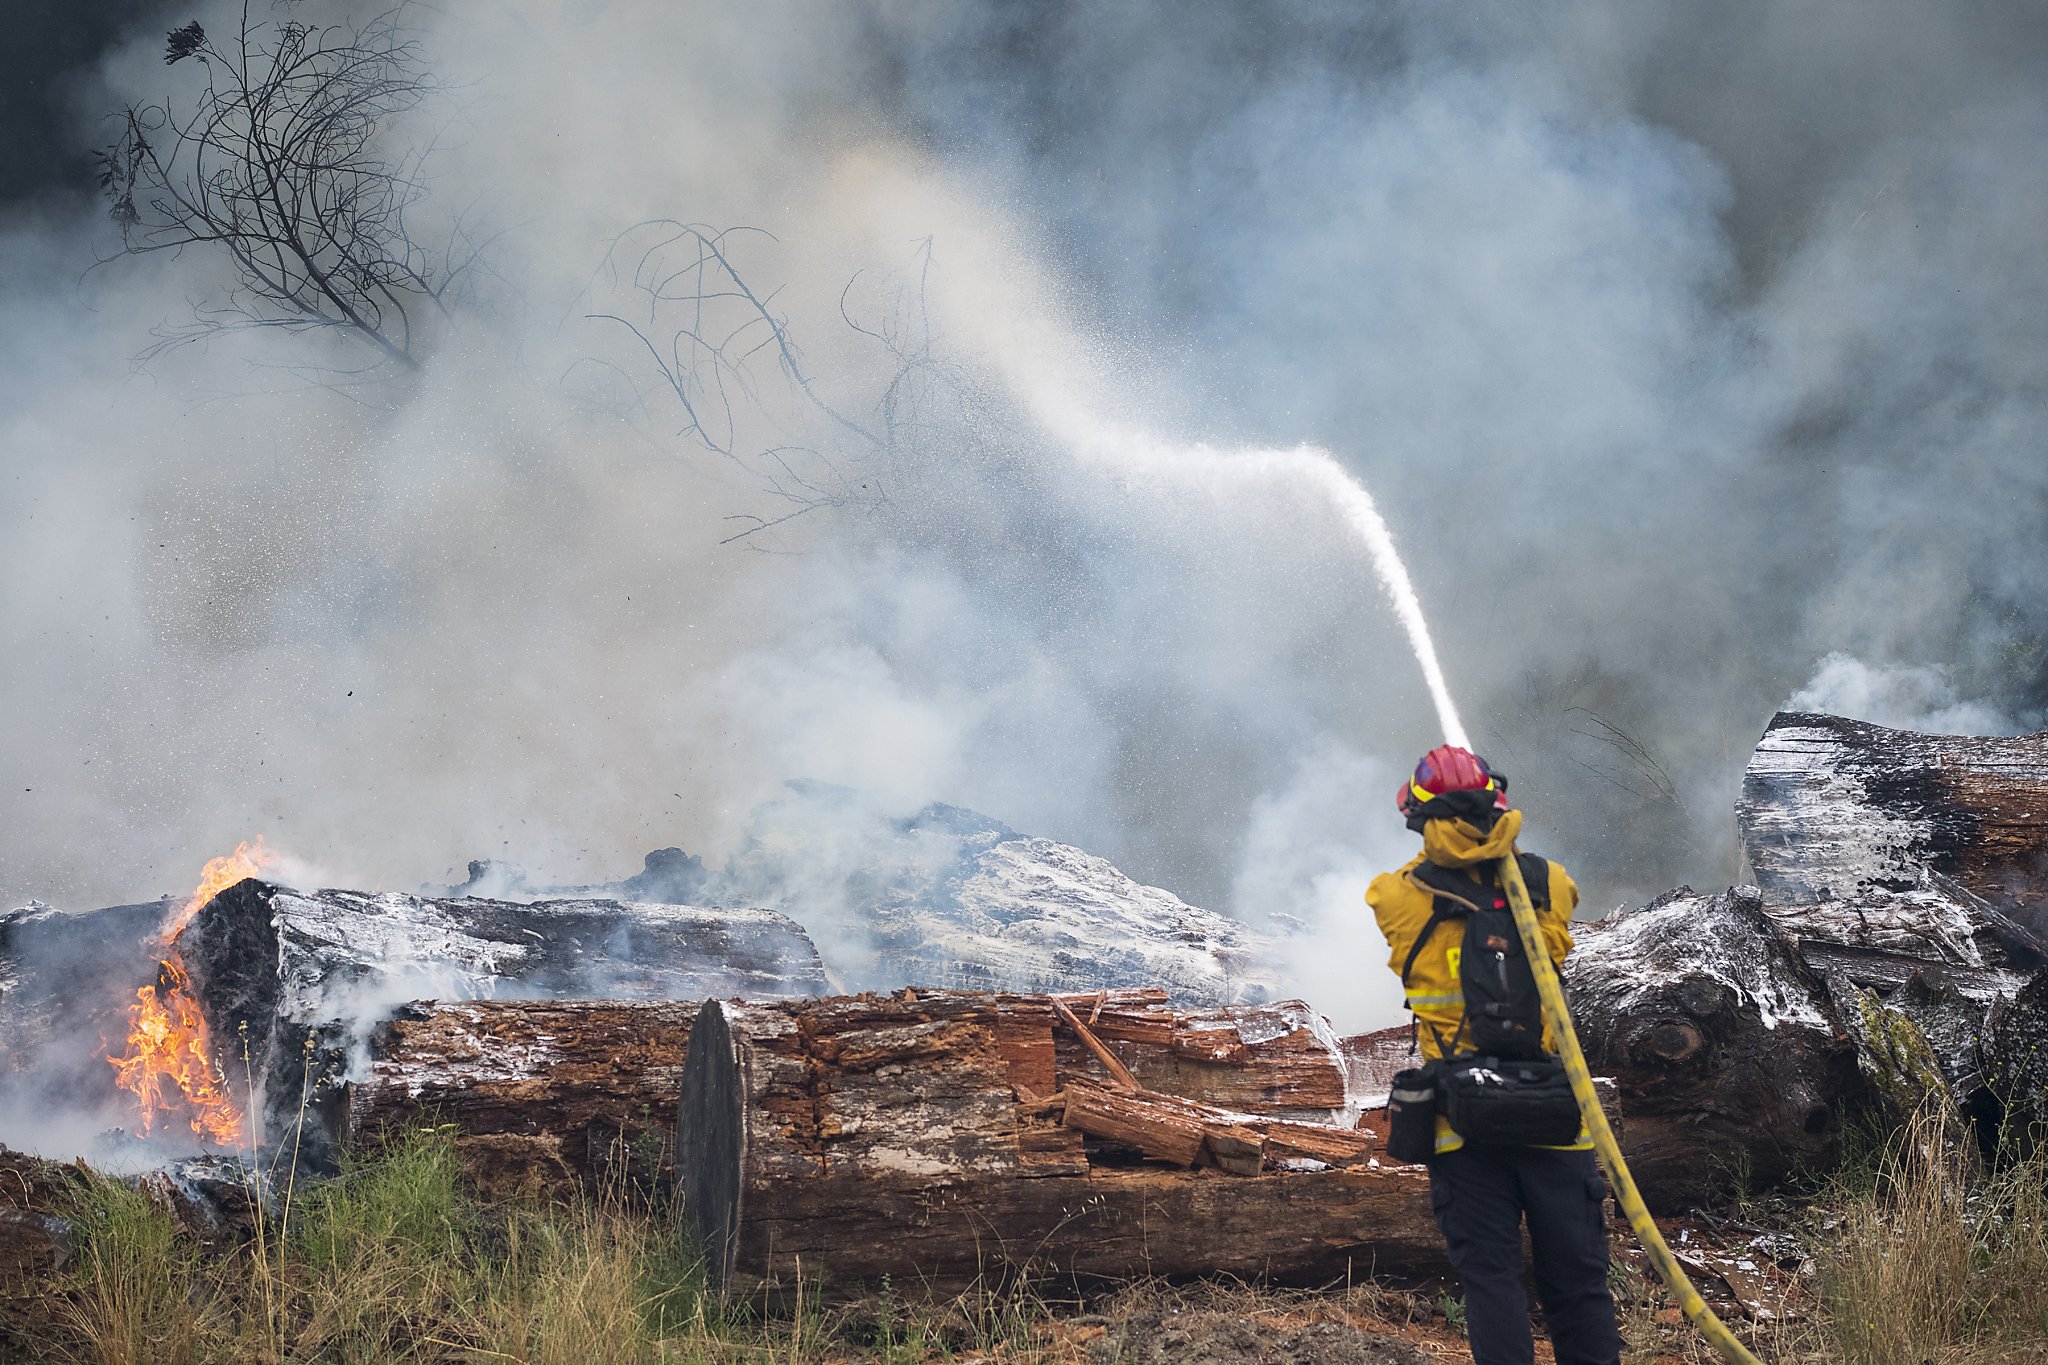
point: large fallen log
(304, 978)
(545, 1094)
(1831, 807)
(1910, 873)
(542, 1095)
(942, 1138)
(953, 898)
(1724, 1045)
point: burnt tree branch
(278, 162)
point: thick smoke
(1902, 696)
(1683, 347)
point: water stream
(1307, 468)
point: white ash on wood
(1832, 806)
(307, 976)
(939, 1137)
(1723, 1044)
(1910, 872)
(541, 1094)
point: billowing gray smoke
(1685, 347)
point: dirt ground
(1168, 1333)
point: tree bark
(543, 1095)
(307, 977)
(942, 1138)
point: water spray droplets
(1309, 469)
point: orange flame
(218, 875)
(169, 1064)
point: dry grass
(396, 1262)
(1931, 1258)
(136, 1302)
(1922, 1256)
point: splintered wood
(540, 1093)
(939, 1137)
(1184, 1133)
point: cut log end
(711, 1138)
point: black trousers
(1481, 1195)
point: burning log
(1722, 1042)
(542, 1094)
(301, 979)
(940, 1137)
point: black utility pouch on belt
(1411, 1113)
(1498, 1102)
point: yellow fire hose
(1560, 1020)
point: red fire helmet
(1447, 768)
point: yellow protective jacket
(1402, 905)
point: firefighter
(1482, 1192)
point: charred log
(1930, 926)
(1832, 808)
(293, 983)
(940, 1138)
(1911, 872)
(542, 1095)
(1723, 1044)
(2014, 1059)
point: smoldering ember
(1028, 1041)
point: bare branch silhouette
(278, 164)
(700, 335)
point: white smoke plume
(1677, 349)
(1901, 696)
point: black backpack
(1503, 1013)
(1505, 1090)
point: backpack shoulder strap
(1453, 895)
(1449, 883)
(1437, 915)
(1536, 876)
